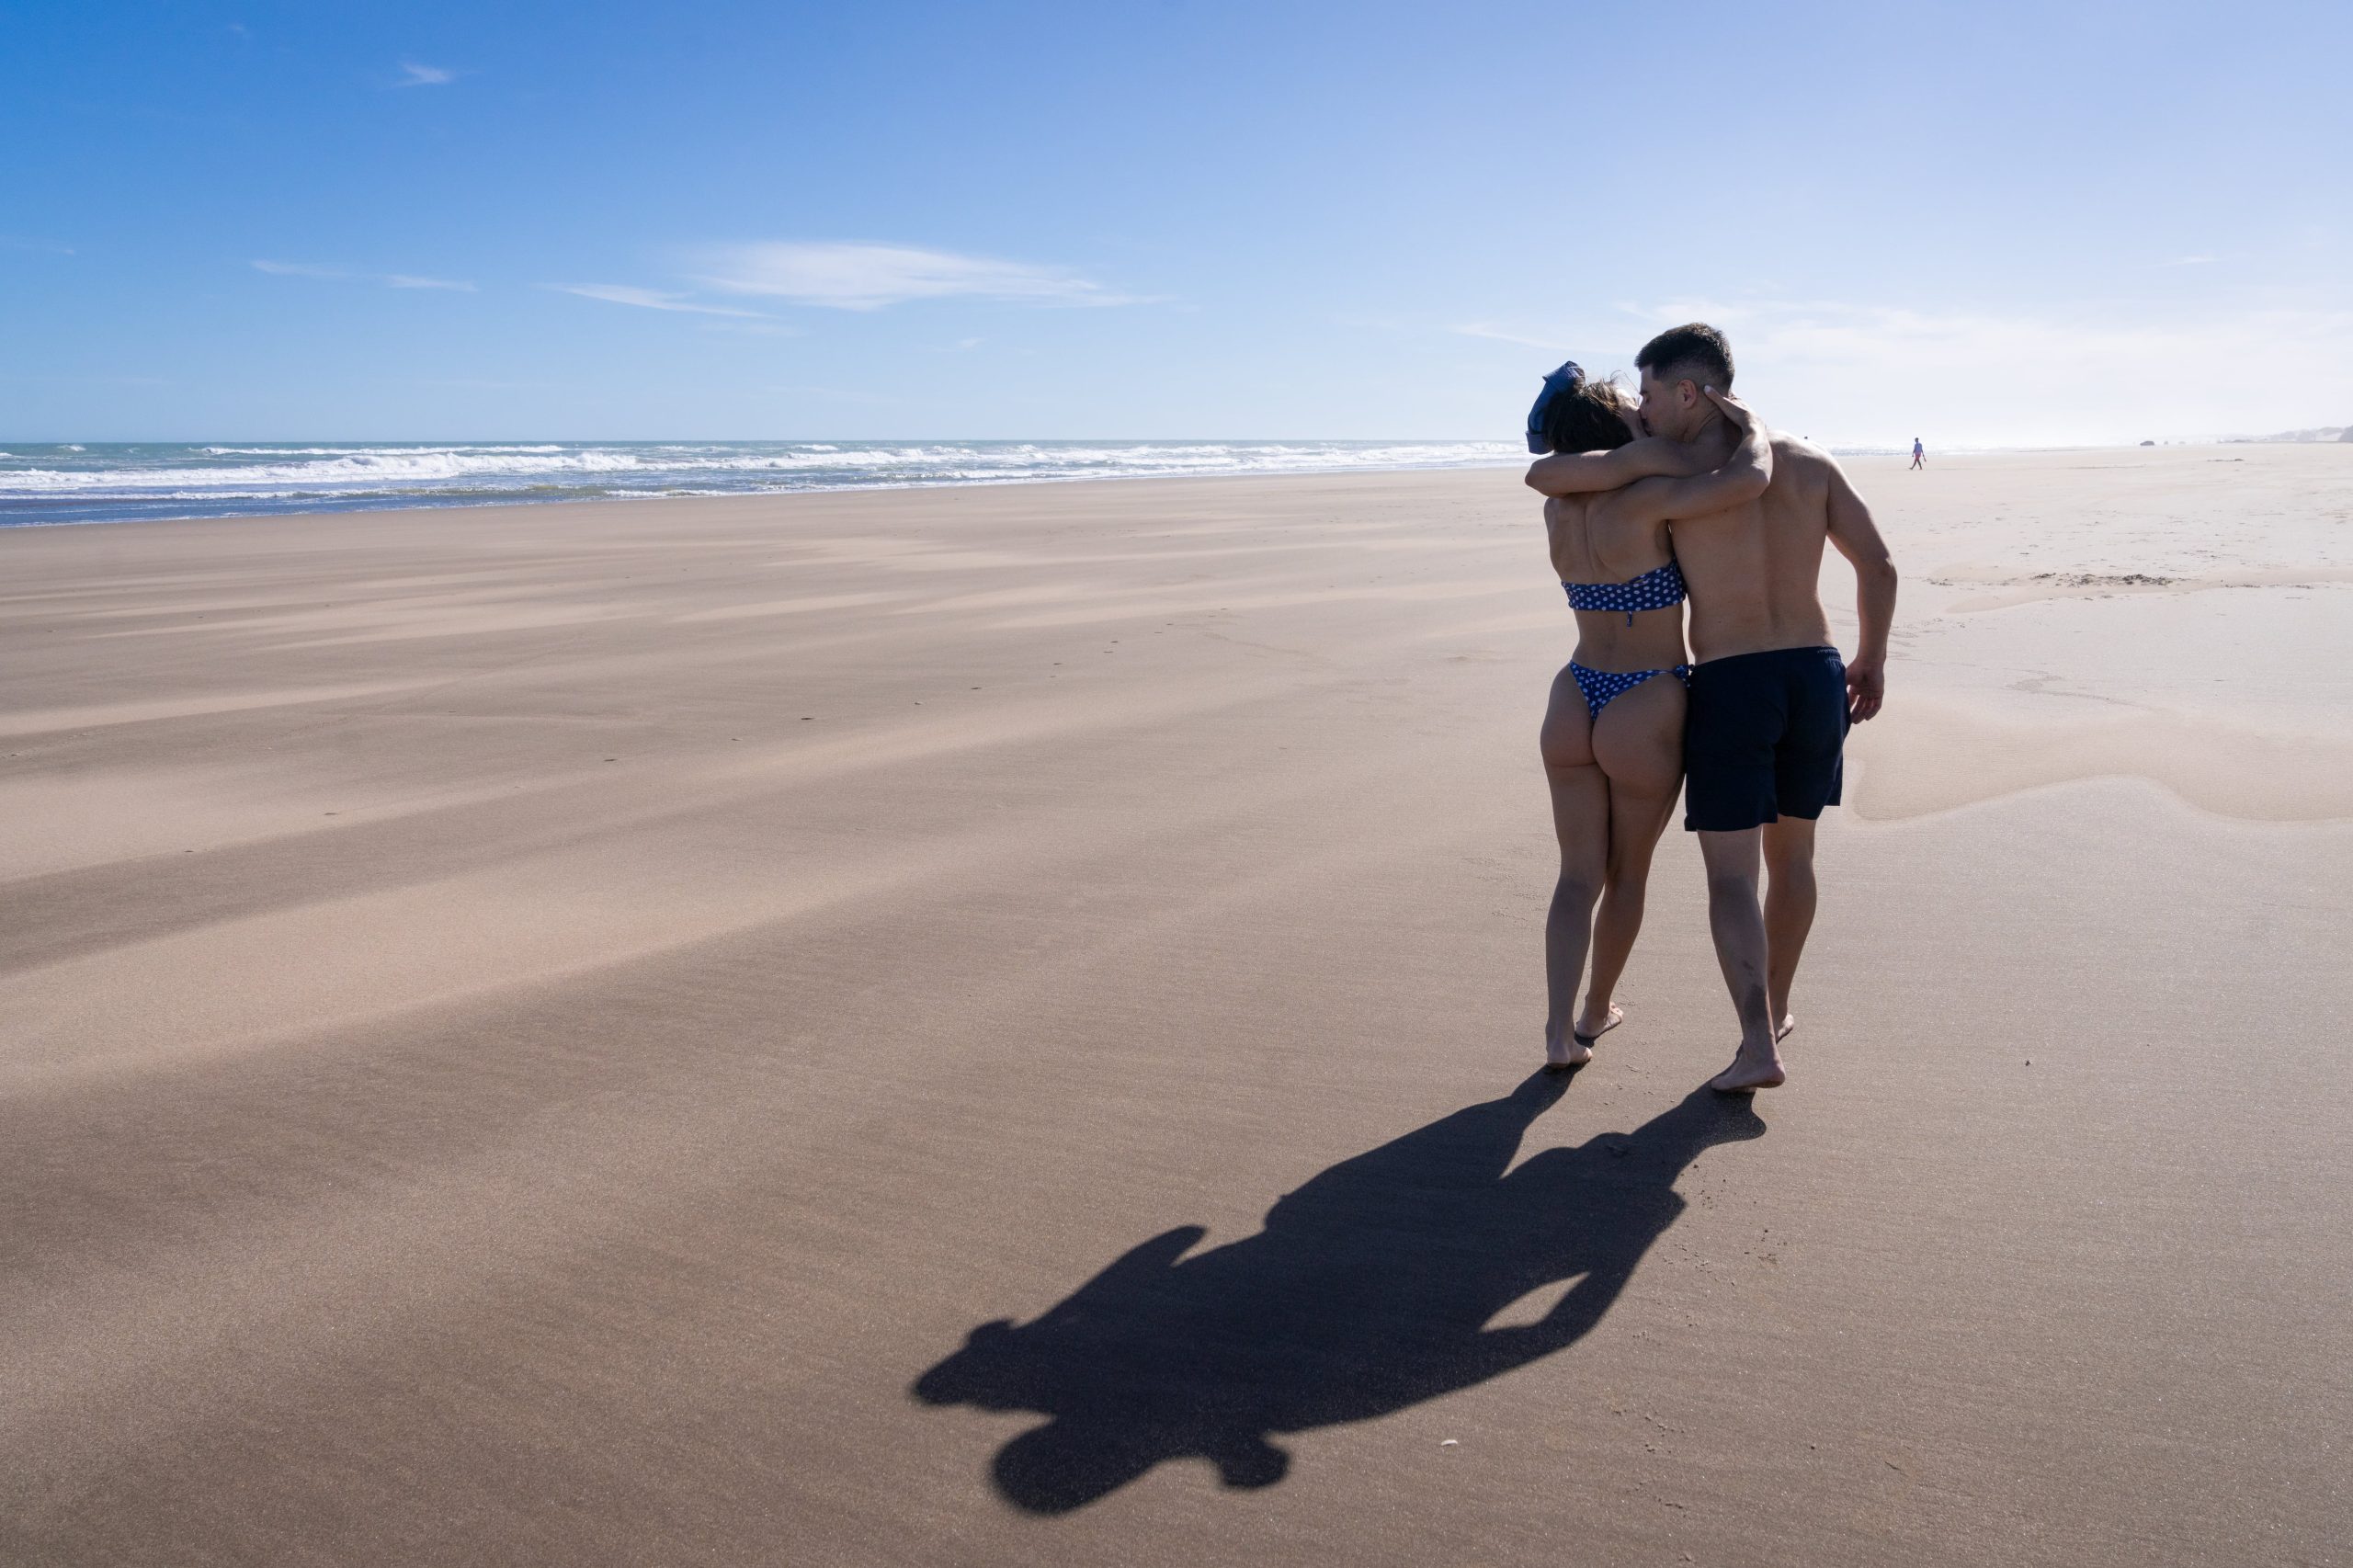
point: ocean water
(114, 482)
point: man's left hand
(1866, 689)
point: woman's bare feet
(1750, 1071)
(1781, 1030)
(1586, 1032)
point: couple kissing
(1674, 499)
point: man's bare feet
(1750, 1072)
(1562, 1056)
(1781, 1030)
(1584, 1031)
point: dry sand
(536, 1035)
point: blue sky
(1986, 223)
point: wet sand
(995, 1027)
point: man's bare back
(1754, 570)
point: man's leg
(1737, 923)
(1788, 910)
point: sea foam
(96, 482)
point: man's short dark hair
(1696, 353)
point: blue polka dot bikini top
(1658, 590)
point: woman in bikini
(1613, 732)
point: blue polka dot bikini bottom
(1601, 688)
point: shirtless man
(1771, 700)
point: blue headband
(1558, 382)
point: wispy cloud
(47, 247)
(425, 75)
(645, 299)
(339, 275)
(2189, 261)
(868, 276)
(836, 394)
(1848, 370)
(762, 327)
(1500, 335)
(89, 380)
(478, 383)
(1833, 332)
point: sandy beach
(995, 1025)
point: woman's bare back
(1591, 545)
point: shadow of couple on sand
(1370, 1288)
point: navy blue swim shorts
(1762, 738)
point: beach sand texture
(994, 1026)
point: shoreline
(131, 483)
(818, 491)
(374, 506)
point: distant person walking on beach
(1612, 740)
(1770, 701)
(1919, 453)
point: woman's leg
(1637, 744)
(1581, 823)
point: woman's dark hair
(1586, 417)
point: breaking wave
(115, 482)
